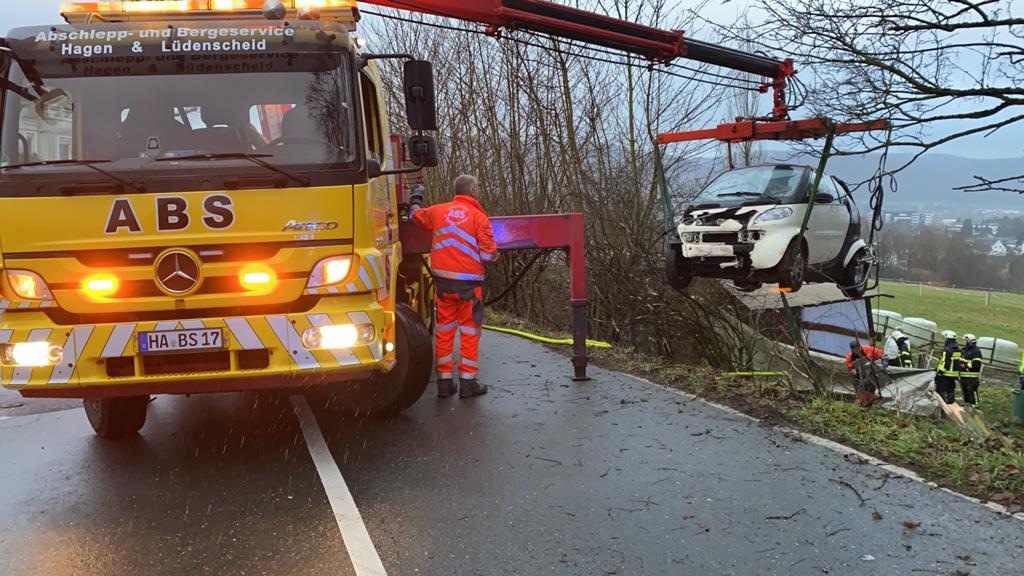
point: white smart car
(745, 225)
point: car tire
(114, 418)
(854, 279)
(676, 271)
(793, 266)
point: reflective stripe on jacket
(950, 362)
(462, 238)
(972, 362)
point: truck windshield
(769, 184)
(293, 110)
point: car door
(826, 229)
(837, 222)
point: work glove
(418, 192)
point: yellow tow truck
(203, 196)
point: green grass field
(959, 310)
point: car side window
(827, 186)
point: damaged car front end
(740, 227)
(740, 243)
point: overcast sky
(1008, 143)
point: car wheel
(854, 280)
(676, 271)
(793, 266)
(113, 418)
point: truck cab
(202, 197)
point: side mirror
(373, 168)
(823, 198)
(420, 100)
(423, 151)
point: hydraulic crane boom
(660, 46)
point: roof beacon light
(274, 10)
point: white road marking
(361, 550)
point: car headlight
(330, 271)
(28, 285)
(773, 215)
(691, 237)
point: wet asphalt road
(542, 476)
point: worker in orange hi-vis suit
(463, 243)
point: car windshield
(775, 184)
(134, 114)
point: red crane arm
(655, 44)
(652, 43)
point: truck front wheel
(114, 418)
(391, 393)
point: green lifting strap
(822, 162)
(791, 321)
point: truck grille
(165, 364)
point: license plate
(706, 250)
(181, 340)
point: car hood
(725, 218)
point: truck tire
(793, 266)
(113, 418)
(389, 394)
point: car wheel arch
(856, 247)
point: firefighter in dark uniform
(970, 376)
(906, 358)
(948, 370)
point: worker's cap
(854, 344)
(949, 335)
(897, 334)
(971, 338)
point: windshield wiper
(752, 195)
(254, 158)
(91, 164)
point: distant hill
(928, 183)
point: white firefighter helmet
(970, 338)
(949, 335)
(896, 334)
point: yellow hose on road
(544, 339)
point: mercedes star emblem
(177, 272)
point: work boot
(471, 388)
(446, 388)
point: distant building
(998, 249)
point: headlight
(691, 237)
(28, 285)
(330, 271)
(773, 215)
(338, 336)
(31, 354)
